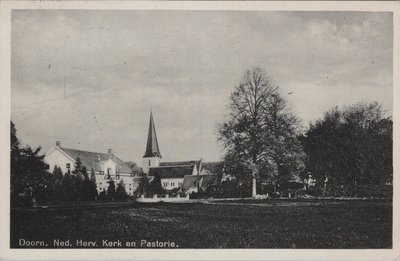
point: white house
(106, 166)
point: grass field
(238, 224)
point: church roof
(214, 167)
(152, 149)
(93, 159)
(170, 172)
(204, 181)
(182, 163)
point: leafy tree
(233, 188)
(29, 174)
(135, 170)
(56, 183)
(143, 186)
(260, 132)
(155, 186)
(68, 189)
(120, 193)
(92, 186)
(350, 147)
(111, 190)
(80, 179)
(102, 196)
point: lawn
(240, 224)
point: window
(68, 165)
(172, 184)
(101, 172)
(149, 163)
(117, 176)
(108, 176)
(198, 184)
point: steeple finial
(152, 149)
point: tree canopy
(349, 147)
(28, 171)
(260, 131)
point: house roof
(169, 172)
(205, 181)
(93, 159)
(214, 167)
(152, 149)
(198, 163)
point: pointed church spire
(152, 149)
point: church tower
(152, 155)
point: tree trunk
(254, 188)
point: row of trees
(264, 142)
(73, 186)
(347, 152)
(351, 148)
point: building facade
(106, 166)
(183, 176)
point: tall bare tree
(260, 129)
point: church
(183, 176)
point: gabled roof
(214, 167)
(152, 149)
(93, 159)
(170, 172)
(198, 163)
(204, 181)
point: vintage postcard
(199, 130)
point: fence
(166, 198)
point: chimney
(58, 143)
(110, 151)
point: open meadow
(224, 224)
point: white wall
(130, 183)
(170, 184)
(56, 157)
(108, 164)
(154, 162)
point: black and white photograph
(203, 128)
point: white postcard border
(186, 254)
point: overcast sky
(89, 78)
